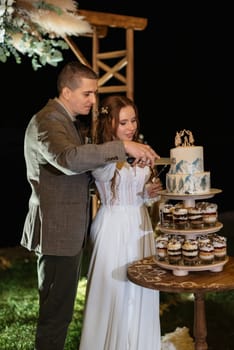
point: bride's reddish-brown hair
(109, 110)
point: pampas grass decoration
(66, 23)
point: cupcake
(190, 252)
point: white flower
(9, 10)
(2, 10)
(6, 11)
(2, 34)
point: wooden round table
(148, 274)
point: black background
(183, 64)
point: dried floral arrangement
(37, 29)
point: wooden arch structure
(117, 77)
(101, 23)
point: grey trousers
(58, 278)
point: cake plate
(191, 232)
(183, 270)
(189, 199)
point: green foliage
(19, 307)
(41, 52)
(19, 36)
(6, 50)
(44, 52)
(46, 6)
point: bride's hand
(154, 187)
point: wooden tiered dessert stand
(182, 269)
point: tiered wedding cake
(186, 174)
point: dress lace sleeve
(104, 173)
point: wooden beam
(101, 32)
(76, 51)
(113, 20)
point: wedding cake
(186, 174)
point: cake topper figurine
(184, 138)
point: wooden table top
(147, 273)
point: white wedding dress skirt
(120, 315)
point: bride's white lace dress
(120, 315)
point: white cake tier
(188, 183)
(186, 160)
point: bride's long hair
(107, 124)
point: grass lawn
(19, 306)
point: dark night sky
(182, 80)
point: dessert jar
(190, 252)
(174, 251)
(220, 247)
(195, 218)
(209, 213)
(166, 214)
(161, 248)
(180, 218)
(206, 253)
